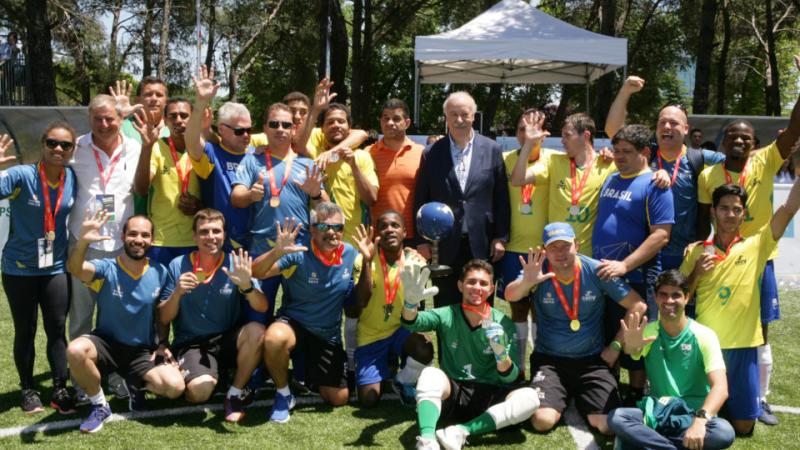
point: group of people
(181, 234)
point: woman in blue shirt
(34, 258)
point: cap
(558, 231)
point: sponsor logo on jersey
(313, 279)
(231, 166)
(548, 299)
(117, 291)
(625, 196)
(589, 296)
(686, 348)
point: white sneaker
(427, 444)
(452, 438)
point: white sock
(533, 333)
(233, 391)
(350, 341)
(522, 342)
(409, 374)
(99, 398)
(284, 391)
(764, 370)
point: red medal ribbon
(273, 188)
(390, 289)
(484, 310)
(572, 313)
(527, 192)
(49, 214)
(183, 175)
(727, 250)
(195, 258)
(578, 190)
(334, 260)
(742, 175)
(674, 169)
(111, 166)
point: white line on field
(785, 409)
(584, 439)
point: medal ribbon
(742, 175)
(674, 169)
(390, 290)
(196, 266)
(527, 192)
(111, 166)
(578, 190)
(334, 260)
(49, 214)
(273, 188)
(183, 175)
(484, 310)
(727, 250)
(576, 293)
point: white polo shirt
(120, 185)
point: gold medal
(575, 325)
(274, 202)
(200, 274)
(50, 236)
(574, 210)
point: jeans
(628, 424)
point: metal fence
(14, 82)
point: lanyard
(197, 269)
(104, 177)
(390, 289)
(484, 310)
(742, 175)
(273, 188)
(674, 169)
(183, 175)
(334, 260)
(527, 192)
(572, 313)
(727, 250)
(578, 190)
(49, 214)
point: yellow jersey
(172, 227)
(527, 222)
(340, 184)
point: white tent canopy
(513, 42)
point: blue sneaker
(281, 407)
(97, 417)
(407, 393)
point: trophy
(435, 222)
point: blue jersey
(684, 193)
(126, 304)
(314, 293)
(209, 309)
(22, 185)
(627, 208)
(293, 201)
(217, 171)
(553, 335)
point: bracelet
(246, 291)
(411, 306)
(318, 196)
(616, 345)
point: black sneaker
(120, 390)
(766, 417)
(136, 398)
(62, 401)
(31, 403)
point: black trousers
(448, 286)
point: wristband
(246, 291)
(407, 305)
(616, 345)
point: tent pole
(624, 73)
(416, 95)
(588, 110)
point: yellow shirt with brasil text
(172, 227)
(556, 174)
(759, 184)
(526, 229)
(729, 296)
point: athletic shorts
(509, 270)
(741, 365)
(613, 314)
(208, 355)
(372, 360)
(130, 362)
(269, 286)
(165, 255)
(469, 400)
(589, 380)
(324, 362)
(770, 307)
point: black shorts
(323, 361)
(588, 380)
(130, 362)
(613, 314)
(469, 400)
(208, 355)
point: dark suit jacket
(484, 204)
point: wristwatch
(703, 414)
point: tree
(705, 49)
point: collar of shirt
(102, 152)
(407, 144)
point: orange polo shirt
(397, 175)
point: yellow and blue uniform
(172, 227)
(22, 186)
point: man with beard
(127, 289)
(380, 297)
(678, 353)
(317, 283)
(475, 381)
(201, 299)
(166, 169)
(753, 170)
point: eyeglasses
(274, 124)
(52, 144)
(239, 131)
(324, 227)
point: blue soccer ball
(435, 221)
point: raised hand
(366, 242)
(90, 228)
(633, 84)
(204, 85)
(323, 95)
(257, 189)
(242, 269)
(122, 97)
(532, 267)
(144, 121)
(286, 236)
(633, 333)
(414, 279)
(312, 185)
(5, 145)
(534, 129)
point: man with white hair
(216, 164)
(467, 173)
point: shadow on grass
(385, 415)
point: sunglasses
(324, 227)
(52, 144)
(274, 124)
(239, 131)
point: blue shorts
(509, 268)
(269, 286)
(165, 255)
(770, 307)
(372, 360)
(741, 365)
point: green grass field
(316, 426)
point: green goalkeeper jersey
(465, 351)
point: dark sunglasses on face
(52, 144)
(274, 124)
(324, 227)
(239, 131)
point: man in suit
(465, 171)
